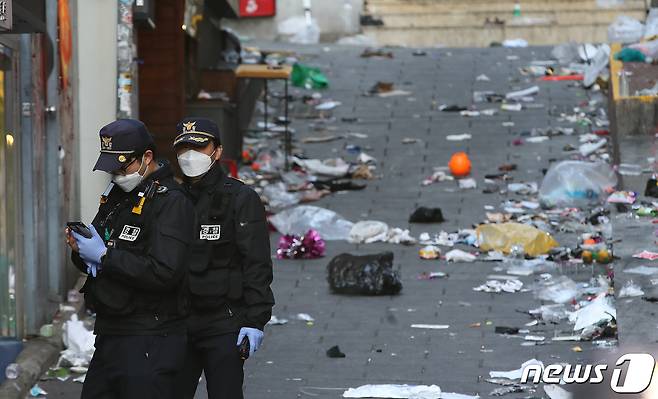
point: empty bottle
(517, 8)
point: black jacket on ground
(230, 262)
(141, 288)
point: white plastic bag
(625, 30)
(598, 66)
(301, 219)
(79, 342)
(278, 196)
(576, 184)
(297, 30)
(651, 26)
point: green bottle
(517, 8)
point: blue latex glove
(92, 249)
(255, 337)
(93, 268)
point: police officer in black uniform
(230, 266)
(137, 277)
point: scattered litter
(560, 290)
(364, 275)
(467, 184)
(395, 391)
(426, 215)
(622, 197)
(457, 255)
(305, 317)
(370, 231)
(482, 78)
(557, 392)
(299, 220)
(522, 93)
(79, 343)
(503, 237)
(515, 374)
(275, 321)
(335, 353)
(36, 391)
(497, 286)
(576, 184)
(429, 252)
(431, 326)
(646, 255)
(458, 137)
(599, 310)
(630, 289)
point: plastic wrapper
(565, 53)
(577, 184)
(560, 290)
(308, 77)
(651, 25)
(625, 30)
(598, 66)
(504, 237)
(300, 219)
(79, 343)
(278, 196)
(630, 290)
(308, 246)
(364, 275)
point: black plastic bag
(426, 215)
(364, 275)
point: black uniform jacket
(141, 288)
(230, 262)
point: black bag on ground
(426, 215)
(364, 275)
(652, 188)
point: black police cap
(119, 141)
(197, 132)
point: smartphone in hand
(80, 228)
(244, 349)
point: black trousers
(219, 358)
(134, 367)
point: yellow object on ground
(502, 237)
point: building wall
(329, 15)
(95, 57)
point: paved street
(375, 332)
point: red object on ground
(562, 78)
(602, 132)
(257, 8)
(460, 165)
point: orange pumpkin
(460, 165)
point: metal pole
(53, 224)
(265, 129)
(287, 144)
(28, 291)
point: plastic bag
(279, 197)
(625, 30)
(301, 219)
(503, 237)
(577, 184)
(559, 290)
(651, 25)
(298, 30)
(308, 77)
(364, 275)
(598, 65)
(649, 49)
(609, 3)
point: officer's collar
(163, 171)
(211, 178)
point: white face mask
(194, 163)
(129, 182)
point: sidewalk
(375, 332)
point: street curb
(38, 354)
